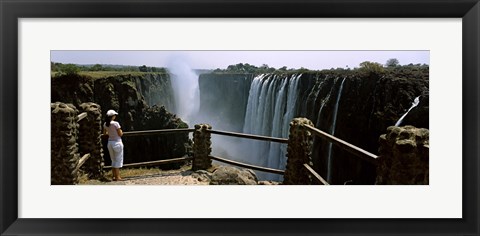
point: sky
(314, 60)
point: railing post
(299, 152)
(404, 156)
(64, 147)
(90, 139)
(202, 147)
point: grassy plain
(105, 74)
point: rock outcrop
(226, 175)
(404, 156)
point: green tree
(53, 66)
(97, 67)
(231, 68)
(392, 62)
(69, 69)
(302, 70)
(370, 68)
(143, 68)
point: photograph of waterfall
(242, 117)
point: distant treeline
(74, 69)
(391, 67)
(250, 69)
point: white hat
(111, 113)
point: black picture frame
(11, 11)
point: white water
(414, 104)
(186, 90)
(270, 108)
(332, 132)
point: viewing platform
(400, 143)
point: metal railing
(249, 136)
(315, 175)
(159, 162)
(220, 159)
(153, 132)
(365, 155)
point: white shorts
(115, 149)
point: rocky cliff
(366, 106)
(142, 102)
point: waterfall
(271, 106)
(316, 139)
(332, 132)
(414, 104)
(275, 148)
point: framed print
(35, 33)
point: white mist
(185, 87)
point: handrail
(250, 136)
(253, 167)
(315, 174)
(372, 158)
(83, 160)
(163, 131)
(341, 143)
(154, 163)
(81, 116)
(160, 131)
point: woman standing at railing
(115, 145)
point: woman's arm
(119, 132)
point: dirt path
(155, 176)
(164, 178)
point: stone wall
(299, 152)
(202, 147)
(72, 138)
(64, 147)
(89, 139)
(404, 156)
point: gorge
(355, 106)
